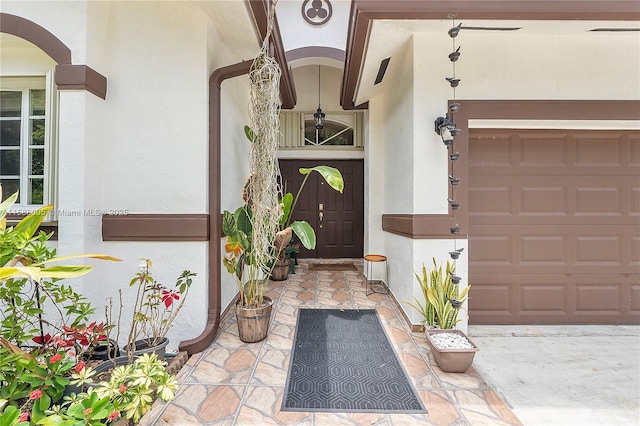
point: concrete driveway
(563, 375)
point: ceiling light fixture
(319, 115)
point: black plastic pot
(100, 352)
(142, 347)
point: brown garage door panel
(513, 152)
(553, 249)
(552, 199)
(554, 234)
(555, 298)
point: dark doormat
(332, 267)
(342, 361)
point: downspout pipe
(201, 342)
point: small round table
(376, 286)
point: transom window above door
(332, 133)
(341, 129)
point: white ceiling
(231, 18)
(387, 38)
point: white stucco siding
(374, 178)
(157, 114)
(430, 92)
(398, 118)
(144, 149)
(509, 65)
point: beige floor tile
(235, 383)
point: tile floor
(235, 383)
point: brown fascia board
(259, 9)
(363, 12)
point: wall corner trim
(81, 77)
(423, 226)
(155, 227)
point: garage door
(554, 234)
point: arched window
(333, 133)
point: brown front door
(554, 227)
(340, 227)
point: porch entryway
(338, 219)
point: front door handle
(320, 216)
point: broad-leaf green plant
(301, 228)
(238, 229)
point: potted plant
(253, 308)
(128, 393)
(37, 307)
(155, 308)
(452, 350)
(301, 228)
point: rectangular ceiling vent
(383, 68)
(491, 28)
(614, 30)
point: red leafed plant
(154, 309)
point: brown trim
(544, 110)
(363, 12)
(200, 343)
(37, 35)
(155, 227)
(81, 77)
(259, 9)
(424, 226)
(315, 52)
(68, 76)
(434, 226)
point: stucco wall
(144, 149)
(399, 119)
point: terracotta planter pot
(253, 323)
(280, 270)
(451, 360)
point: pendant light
(319, 115)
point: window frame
(25, 84)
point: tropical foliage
(46, 337)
